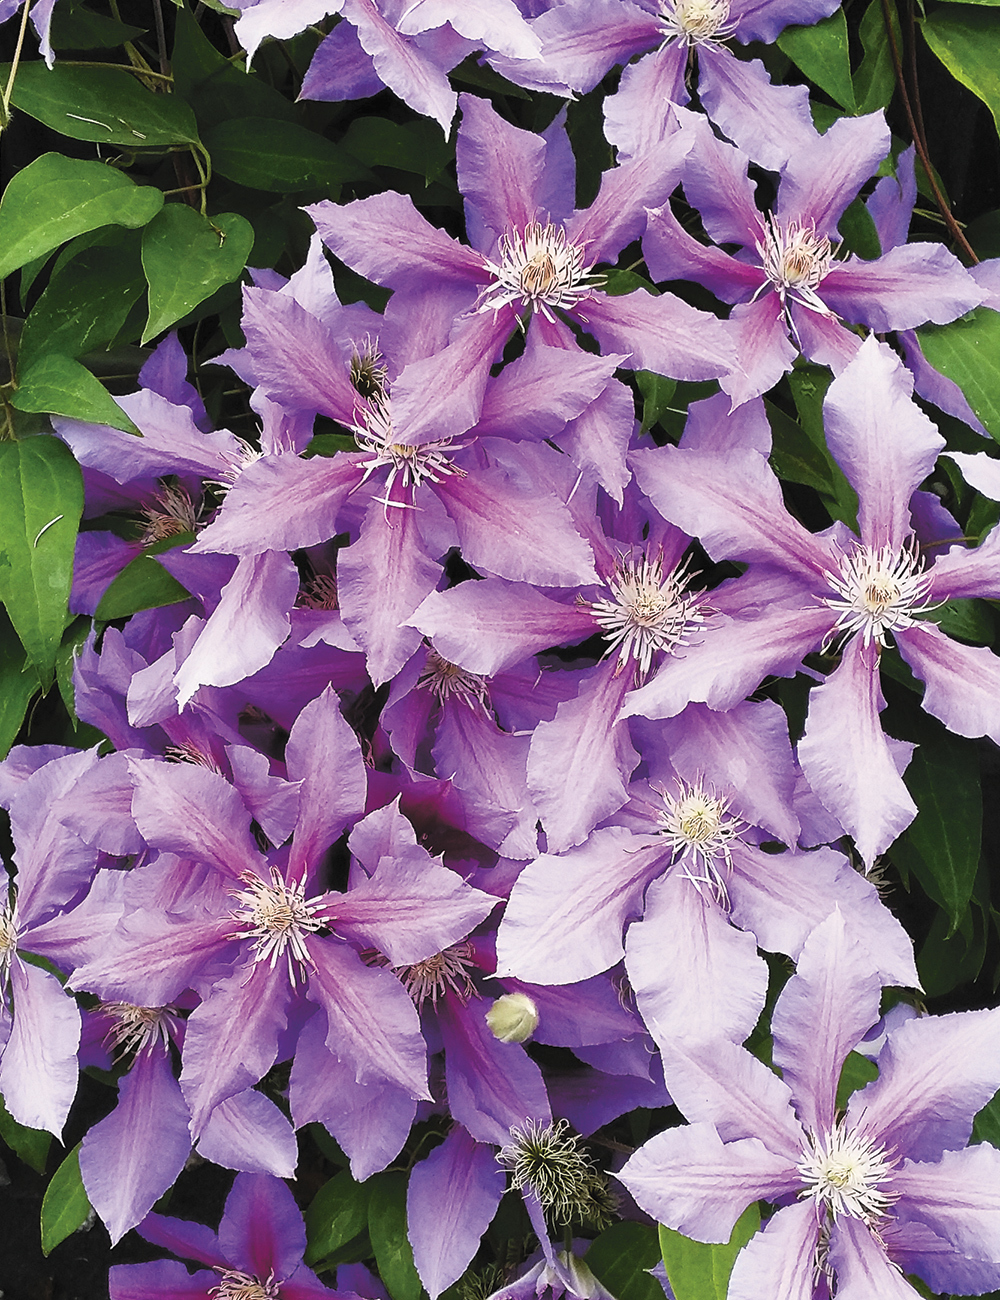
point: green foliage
(267, 154)
(387, 1228)
(875, 78)
(809, 384)
(57, 385)
(701, 1272)
(41, 501)
(968, 352)
(856, 1072)
(657, 395)
(30, 1144)
(337, 1214)
(822, 53)
(65, 1205)
(620, 1257)
(186, 257)
(55, 198)
(143, 583)
(967, 41)
(18, 684)
(104, 105)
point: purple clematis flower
(881, 1188)
(837, 590)
(683, 859)
(787, 285)
(530, 254)
(257, 1252)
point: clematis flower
(787, 285)
(257, 1252)
(866, 1193)
(836, 591)
(678, 884)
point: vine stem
(9, 88)
(918, 139)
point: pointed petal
(906, 287)
(401, 63)
(709, 983)
(129, 1159)
(780, 1259)
(249, 1133)
(38, 1066)
(499, 167)
(958, 1198)
(821, 181)
(566, 914)
(673, 254)
(962, 681)
(634, 116)
(689, 1180)
(862, 1266)
(763, 348)
(771, 124)
(662, 333)
(847, 758)
(823, 1012)
(885, 445)
(450, 1202)
(164, 1277)
(262, 1229)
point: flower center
(374, 434)
(879, 591)
(320, 592)
(368, 371)
(234, 1285)
(795, 259)
(539, 267)
(8, 939)
(698, 828)
(698, 21)
(546, 1159)
(446, 681)
(435, 976)
(134, 1029)
(277, 917)
(648, 613)
(170, 513)
(844, 1171)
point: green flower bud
(513, 1018)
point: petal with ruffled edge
(409, 71)
(662, 333)
(770, 123)
(958, 1198)
(862, 1266)
(450, 1202)
(636, 116)
(566, 914)
(249, 1133)
(906, 287)
(935, 1073)
(848, 759)
(823, 1012)
(690, 1180)
(38, 1066)
(821, 181)
(962, 682)
(499, 167)
(693, 974)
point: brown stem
(920, 142)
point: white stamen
(447, 681)
(411, 465)
(137, 1029)
(844, 1172)
(234, 1285)
(320, 592)
(8, 939)
(547, 1159)
(434, 976)
(879, 591)
(369, 372)
(648, 613)
(796, 259)
(242, 456)
(700, 22)
(277, 917)
(699, 830)
(539, 268)
(170, 513)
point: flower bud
(513, 1018)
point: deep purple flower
(882, 1185)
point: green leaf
(809, 384)
(793, 457)
(215, 89)
(950, 958)
(470, 72)
(657, 394)
(65, 1206)
(856, 1072)
(54, 199)
(269, 155)
(966, 38)
(30, 1144)
(18, 685)
(73, 638)
(187, 257)
(57, 385)
(85, 303)
(701, 1272)
(857, 229)
(328, 444)
(821, 52)
(620, 1257)
(986, 1125)
(617, 283)
(968, 352)
(144, 583)
(104, 105)
(337, 1214)
(941, 845)
(75, 28)
(411, 146)
(387, 1226)
(875, 79)
(41, 501)
(969, 620)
